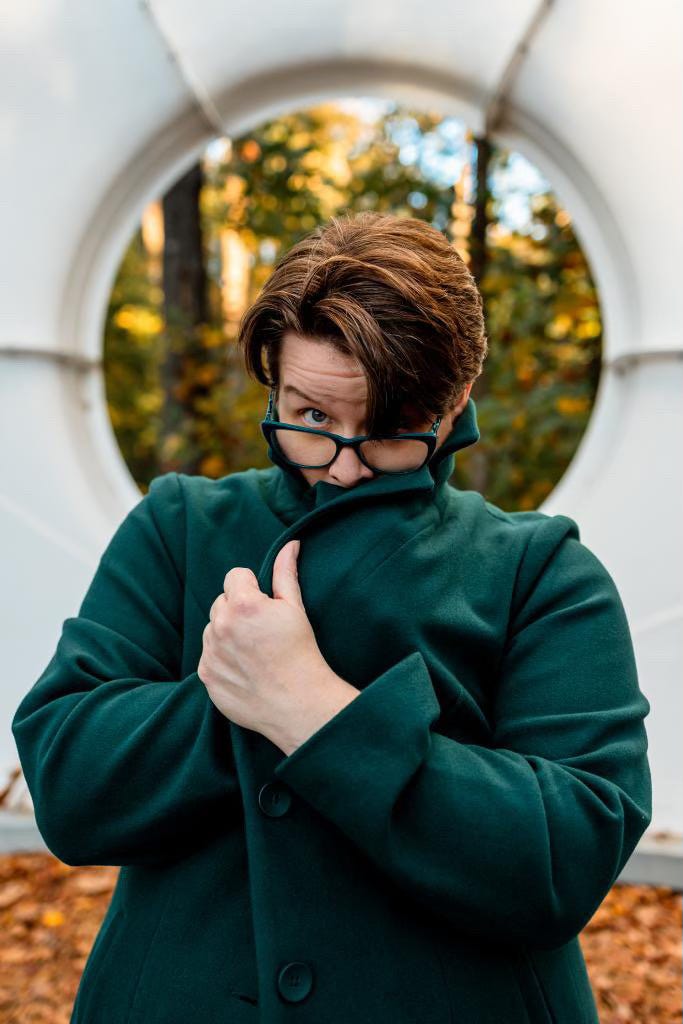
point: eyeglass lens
(313, 451)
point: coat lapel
(345, 532)
(301, 506)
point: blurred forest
(178, 396)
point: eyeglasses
(309, 448)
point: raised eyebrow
(290, 389)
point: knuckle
(203, 671)
(222, 625)
(218, 603)
(241, 603)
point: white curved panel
(82, 86)
(612, 92)
(221, 43)
(624, 488)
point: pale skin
(260, 663)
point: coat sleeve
(127, 763)
(521, 840)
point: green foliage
(542, 371)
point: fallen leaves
(632, 946)
(50, 914)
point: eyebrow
(289, 389)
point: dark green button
(274, 799)
(295, 981)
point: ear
(462, 401)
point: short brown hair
(390, 291)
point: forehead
(316, 369)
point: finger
(213, 611)
(240, 580)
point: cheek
(313, 475)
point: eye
(311, 408)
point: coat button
(274, 799)
(295, 981)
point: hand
(260, 662)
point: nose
(347, 469)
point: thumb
(285, 573)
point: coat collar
(292, 496)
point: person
(365, 746)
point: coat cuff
(358, 761)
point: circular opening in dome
(177, 392)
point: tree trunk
(185, 311)
(479, 461)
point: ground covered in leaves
(50, 914)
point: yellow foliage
(212, 465)
(151, 401)
(559, 326)
(277, 131)
(171, 445)
(296, 182)
(569, 406)
(299, 140)
(138, 320)
(312, 160)
(233, 188)
(566, 353)
(52, 918)
(588, 329)
(212, 337)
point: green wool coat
(431, 853)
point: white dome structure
(105, 105)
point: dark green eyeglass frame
(269, 425)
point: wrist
(334, 695)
